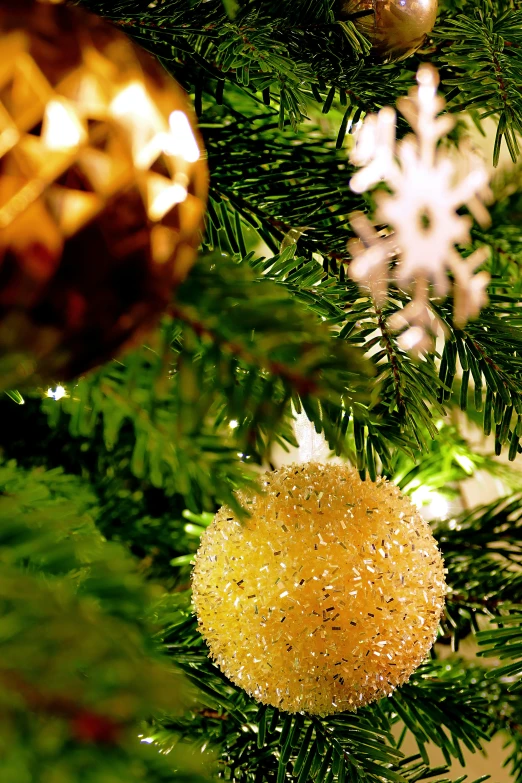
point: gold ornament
(327, 597)
(102, 191)
(395, 28)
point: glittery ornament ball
(327, 597)
(103, 186)
(395, 28)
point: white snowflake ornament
(426, 189)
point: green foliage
(155, 527)
(487, 351)
(297, 55)
(505, 643)
(267, 323)
(450, 460)
(482, 553)
(484, 66)
(289, 189)
(79, 669)
(261, 49)
(437, 706)
(206, 371)
(15, 396)
(256, 740)
(302, 183)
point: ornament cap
(395, 28)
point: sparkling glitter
(284, 648)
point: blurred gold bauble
(395, 28)
(327, 597)
(102, 191)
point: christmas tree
(356, 288)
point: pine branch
(179, 454)
(266, 47)
(449, 461)
(436, 706)
(483, 52)
(94, 674)
(303, 181)
(271, 49)
(487, 349)
(482, 553)
(410, 391)
(258, 740)
(505, 643)
(208, 370)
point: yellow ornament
(103, 185)
(395, 28)
(327, 597)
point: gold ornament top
(395, 28)
(94, 102)
(327, 597)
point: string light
(58, 393)
(432, 504)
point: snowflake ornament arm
(371, 257)
(426, 190)
(375, 150)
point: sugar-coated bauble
(395, 28)
(327, 597)
(102, 191)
